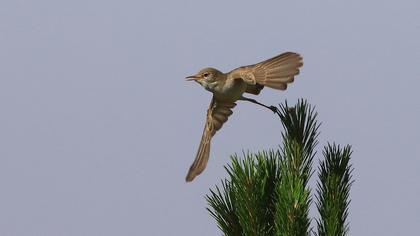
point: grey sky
(98, 126)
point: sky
(98, 126)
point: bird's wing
(217, 115)
(275, 73)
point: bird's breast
(231, 90)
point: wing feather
(217, 115)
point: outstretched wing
(275, 73)
(217, 115)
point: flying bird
(227, 88)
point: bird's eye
(206, 74)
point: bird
(228, 88)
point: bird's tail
(278, 71)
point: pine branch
(299, 140)
(267, 193)
(224, 211)
(300, 125)
(245, 206)
(333, 190)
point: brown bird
(228, 88)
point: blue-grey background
(98, 126)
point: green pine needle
(334, 190)
(299, 141)
(245, 205)
(267, 193)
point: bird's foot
(273, 108)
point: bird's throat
(210, 86)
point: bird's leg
(272, 108)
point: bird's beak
(192, 77)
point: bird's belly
(231, 91)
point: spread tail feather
(278, 71)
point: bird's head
(205, 76)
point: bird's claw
(274, 109)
